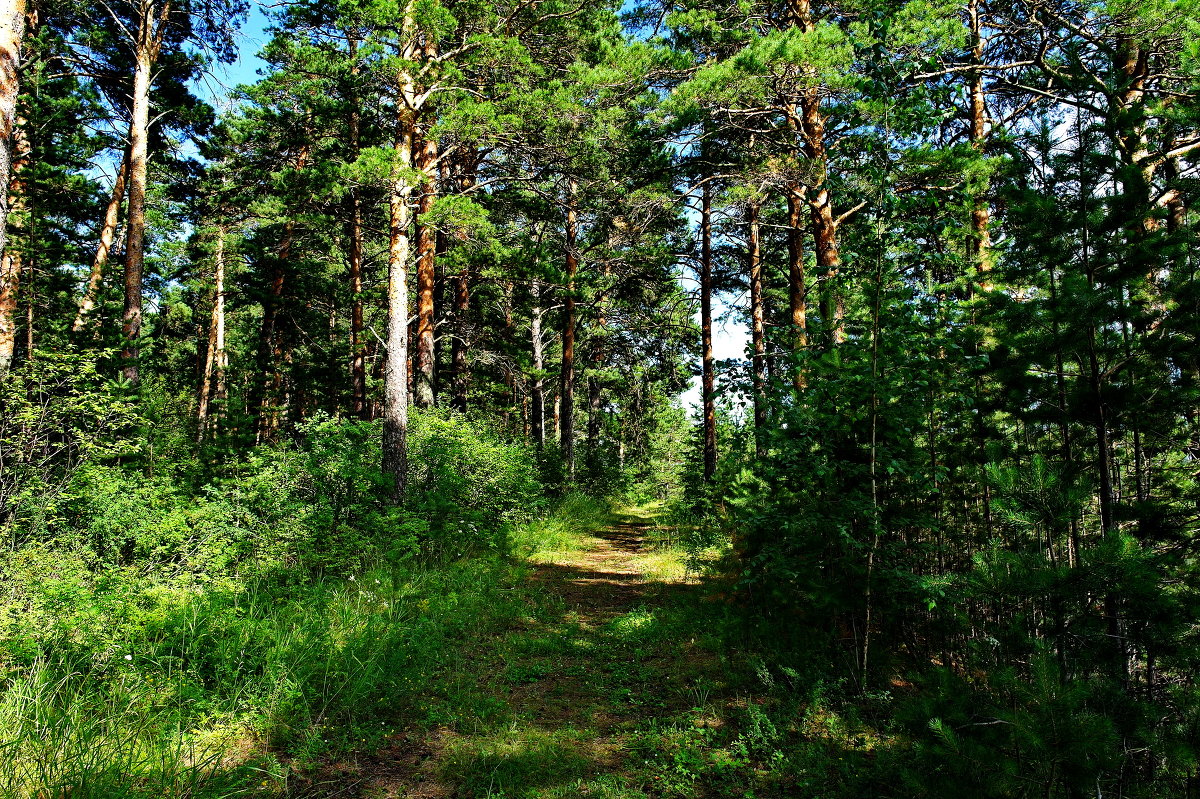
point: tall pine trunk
(108, 234)
(829, 263)
(980, 241)
(797, 286)
(394, 459)
(395, 374)
(212, 385)
(11, 264)
(537, 391)
(566, 413)
(708, 371)
(823, 222)
(758, 338)
(426, 252)
(12, 33)
(149, 38)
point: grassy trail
(572, 698)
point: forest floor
(601, 689)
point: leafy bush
(468, 484)
(144, 619)
(56, 413)
(316, 506)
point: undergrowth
(577, 515)
(164, 639)
(199, 689)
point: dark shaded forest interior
(538, 398)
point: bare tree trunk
(395, 376)
(10, 261)
(567, 373)
(754, 269)
(213, 383)
(108, 233)
(12, 34)
(797, 287)
(395, 380)
(537, 393)
(426, 251)
(10, 283)
(981, 237)
(811, 127)
(555, 404)
(708, 371)
(979, 244)
(823, 222)
(149, 39)
(829, 263)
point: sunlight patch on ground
(524, 760)
(663, 565)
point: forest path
(561, 697)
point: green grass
(519, 760)
(80, 734)
(141, 686)
(147, 687)
(314, 670)
(576, 516)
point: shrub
(56, 413)
(290, 509)
(468, 484)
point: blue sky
(215, 87)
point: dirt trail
(574, 682)
(603, 581)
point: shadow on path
(575, 680)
